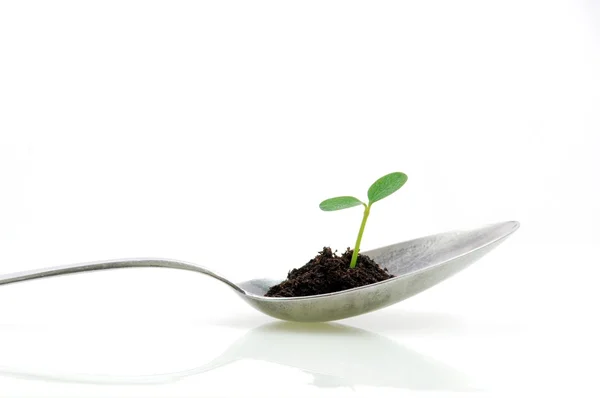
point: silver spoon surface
(417, 265)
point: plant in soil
(329, 272)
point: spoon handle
(113, 264)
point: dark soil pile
(328, 273)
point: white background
(210, 131)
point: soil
(328, 273)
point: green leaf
(386, 185)
(339, 203)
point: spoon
(417, 265)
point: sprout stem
(360, 234)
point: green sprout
(383, 187)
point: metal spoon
(417, 265)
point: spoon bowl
(417, 265)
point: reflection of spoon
(418, 265)
(334, 354)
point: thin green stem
(360, 234)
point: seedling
(383, 187)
